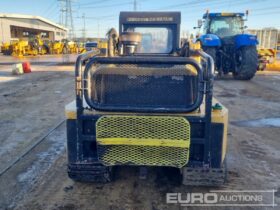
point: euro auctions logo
(224, 198)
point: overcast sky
(100, 15)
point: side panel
(221, 116)
(197, 148)
(72, 140)
(217, 131)
(210, 40)
(245, 40)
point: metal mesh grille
(144, 86)
(143, 140)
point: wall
(33, 24)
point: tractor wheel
(246, 63)
(212, 52)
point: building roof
(5, 15)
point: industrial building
(16, 26)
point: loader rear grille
(142, 87)
(143, 140)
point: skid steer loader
(147, 103)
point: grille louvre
(143, 140)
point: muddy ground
(31, 105)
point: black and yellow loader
(148, 102)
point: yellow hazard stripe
(144, 142)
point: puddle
(259, 123)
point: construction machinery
(100, 46)
(81, 47)
(66, 47)
(36, 46)
(224, 39)
(72, 47)
(6, 48)
(267, 47)
(33, 46)
(146, 104)
(56, 47)
(20, 48)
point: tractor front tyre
(246, 63)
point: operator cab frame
(166, 24)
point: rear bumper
(82, 141)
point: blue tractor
(232, 50)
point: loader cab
(159, 31)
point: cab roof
(223, 14)
(150, 18)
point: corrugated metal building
(16, 26)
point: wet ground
(32, 105)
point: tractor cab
(224, 24)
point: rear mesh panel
(157, 86)
(143, 140)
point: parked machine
(19, 48)
(71, 47)
(56, 47)
(267, 47)
(90, 46)
(33, 46)
(146, 104)
(81, 47)
(6, 48)
(36, 46)
(224, 39)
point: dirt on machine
(148, 103)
